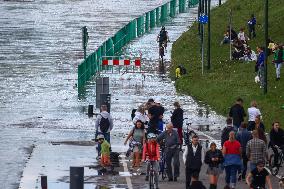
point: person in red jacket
(151, 152)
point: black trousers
(188, 173)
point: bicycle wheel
(273, 168)
(151, 180)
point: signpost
(203, 19)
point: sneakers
(147, 178)
(175, 179)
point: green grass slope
(227, 80)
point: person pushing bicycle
(151, 153)
(163, 38)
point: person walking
(177, 121)
(226, 131)
(193, 158)
(259, 177)
(237, 113)
(140, 115)
(232, 159)
(255, 150)
(196, 184)
(103, 125)
(251, 26)
(259, 126)
(253, 111)
(214, 158)
(171, 141)
(137, 139)
(243, 136)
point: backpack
(152, 153)
(104, 124)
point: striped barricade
(124, 62)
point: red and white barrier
(126, 62)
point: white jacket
(140, 116)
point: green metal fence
(135, 28)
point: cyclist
(151, 152)
(276, 139)
(163, 38)
(259, 177)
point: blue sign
(203, 19)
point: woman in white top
(242, 36)
(253, 111)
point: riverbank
(227, 80)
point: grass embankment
(227, 79)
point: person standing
(232, 159)
(260, 65)
(105, 152)
(171, 140)
(237, 113)
(276, 139)
(253, 111)
(255, 150)
(193, 158)
(177, 120)
(243, 136)
(214, 159)
(251, 26)
(278, 60)
(259, 177)
(103, 125)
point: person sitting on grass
(151, 153)
(105, 151)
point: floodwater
(40, 48)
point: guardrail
(135, 28)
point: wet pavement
(41, 116)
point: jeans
(107, 138)
(245, 165)
(231, 175)
(278, 67)
(261, 76)
(172, 154)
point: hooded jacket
(104, 114)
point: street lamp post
(266, 44)
(209, 38)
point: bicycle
(151, 175)
(162, 163)
(275, 168)
(188, 133)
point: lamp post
(266, 44)
(209, 38)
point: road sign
(203, 19)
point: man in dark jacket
(155, 114)
(193, 158)
(243, 136)
(237, 113)
(226, 131)
(276, 139)
(177, 120)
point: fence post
(152, 19)
(76, 177)
(157, 15)
(43, 181)
(147, 22)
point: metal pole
(266, 44)
(43, 181)
(205, 6)
(199, 13)
(202, 58)
(220, 2)
(84, 40)
(76, 177)
(209, 38)
(230, 22)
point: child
(105, 151)
(151, 152)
